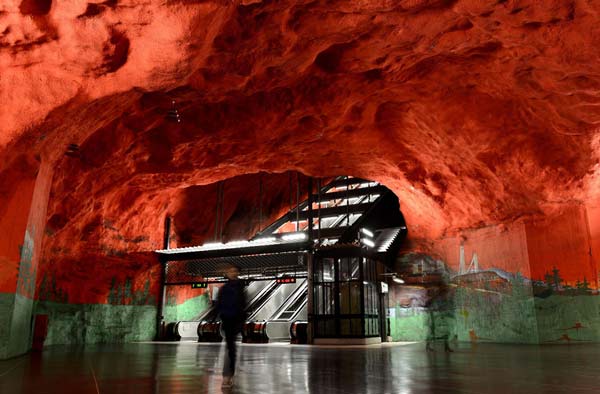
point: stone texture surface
(99, 323)
(476, 113)
(7, 303)
(472, 111)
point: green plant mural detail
(123, 294)
(49, 291)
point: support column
(163, 289)
(310, 290)
(24, 197)
(310, 260)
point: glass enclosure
(346, 297)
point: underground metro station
(383, 196)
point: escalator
(348, 215)
(295, 309)
(209, 330)
(272, 321)
(278, 297)
(271, 309)
(191, 330)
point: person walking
(231, 306)
(441, 318)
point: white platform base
(347, 341)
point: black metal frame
(305, 259)
(334, 313)
(269, 265)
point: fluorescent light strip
(367, 232)
(294, 237)
(367, 242)
(266, 239)
(235, 244)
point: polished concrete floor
(397, 368)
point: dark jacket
(231, 301)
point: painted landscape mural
(533, 282)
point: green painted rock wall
(15, 324)
(568, 319)
(503, 318)
(20, 336)
(7, 301)
(470, 314)
(410, 324)
(188, 310)
(97, 323)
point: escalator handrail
(290, 300)
(257, 304)
(210, 313)
(295, 312)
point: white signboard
(384, 287)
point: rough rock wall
(476, 113)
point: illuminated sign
(200, 285)
(286, 280)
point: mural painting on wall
(50, 291)
(120, 293)
(475, 301)
(123, 293)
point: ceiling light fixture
(367, 232)
(367, 242)
(294, 237)
(173, 114)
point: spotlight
(397, 280)
(72, 150)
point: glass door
(346, 300)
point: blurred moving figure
(441, 312)
(231, 305)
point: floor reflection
(196, 368)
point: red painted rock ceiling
(474, 112)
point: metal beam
(345, 181)
(335, 232)
(336, 211)
(351, 193)
(279, 222)
(255, 279)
